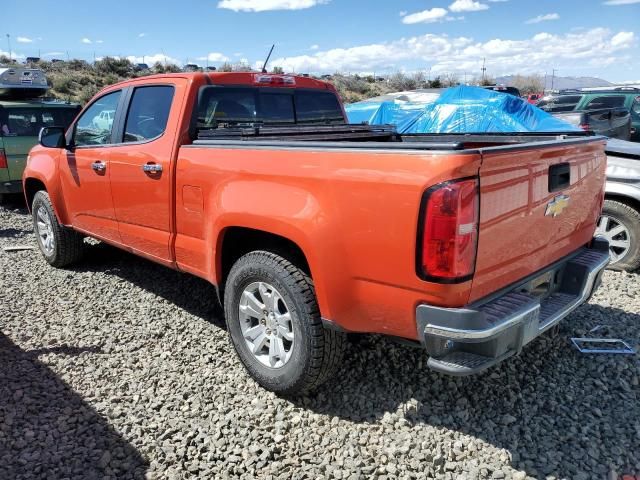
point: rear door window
(148, 113)
(606, 102)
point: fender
(42, 165)
(622, 190)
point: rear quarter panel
(353, 213)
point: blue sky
(576, 37)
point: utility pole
(9, 45)
(484, 69)
(553, 78)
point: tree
(278, 70)
(118, 66)
(435, 83)
(528, 83)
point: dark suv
(589, 100)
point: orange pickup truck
(469, 246)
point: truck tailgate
(527, 223)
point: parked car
(620, 220)
(20, 82)
(610, 122)
(104, 120)
(587, 100)
(20, 123)
(534, 98)
(469, 246)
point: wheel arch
(629, 201)
(236, 241)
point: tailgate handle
(559, 176)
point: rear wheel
(620, 225)
(60, 246)
(275, 326)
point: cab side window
(148, 113)
(95, 125)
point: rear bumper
(464, 341)
(13, 186)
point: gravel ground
(119, 368)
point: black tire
(630, 218)
(68, 245)
(317, 351)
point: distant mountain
(560, 83)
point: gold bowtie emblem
(557, 205)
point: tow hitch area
(469, 340)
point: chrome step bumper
(490, 331)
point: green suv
(20, 124)
(585, 100)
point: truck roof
(242, 78)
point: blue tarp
(460, 109)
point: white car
(104, 120)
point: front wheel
(620, 225)
(275, 326)
(60, 246)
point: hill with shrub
(78, 80)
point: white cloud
(543, 18)
(151, 60)
(314, 47)
(52, 54)
(141, 35)
(622, 39)
(459, 54)
(99, 41)
(24, 40)
(14, 55)
(426, 16)
(621, 2)
(86, 40)
(266, 5)
(497, 1)
(467, 6)
(214, 57)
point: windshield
(27, 121)
(222, 106)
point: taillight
(3, 159)
(448, 233)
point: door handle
(152, 168)
(99, 167)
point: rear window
(606, 102)
(222, 106)
(27, 122)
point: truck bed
(370, 136)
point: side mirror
(52, 137)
